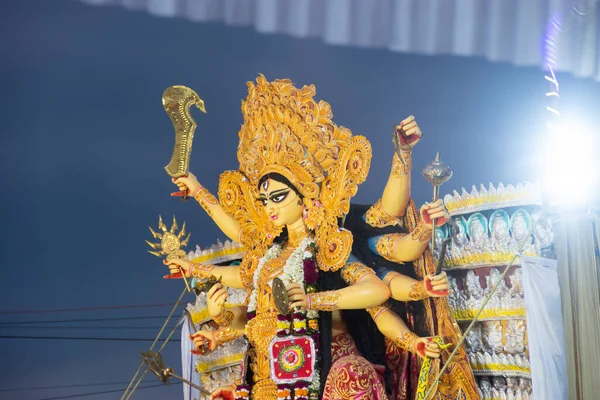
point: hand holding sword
(177, 101)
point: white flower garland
(293, 270)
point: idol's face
(520, 225)
(500, 227)
(477, 229)
(281, 203)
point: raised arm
(228, 225)
(396, 194)
(229, 275)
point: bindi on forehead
(265, 185)
(271, 186)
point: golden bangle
(353, 272)
(399, 168)
(422, 232)
(376, 312)
(406, 341)
(386, 246)
(377, 217)
(417, 291)
(225, 335)
(201, 271)
(323, 301)
(224, 318)
(206, 199)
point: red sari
(351, 375)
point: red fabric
(351, 375)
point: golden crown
(286, 131)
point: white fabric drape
(577, 239)
(498, 30)
(187, 362)
(544, 328)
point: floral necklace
(293, 352)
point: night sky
(84, 139)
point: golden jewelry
(406, 341)
(399, 168)
(354, 272)
(417, 291)
(286, 131)
(386, 246)
(377, 217)
(313, 213)
(202, 271)
(239, 198)
(225, 335)
(323, 301)
(375, 312)
(296, 236)
(224, 318)
(206, 199)
(422, 232)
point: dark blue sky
(84, 139)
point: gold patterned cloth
(351, 375)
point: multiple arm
(400, 248)
(357, 275)
(364, 290)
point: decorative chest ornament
(292, 359)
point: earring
(313, 213)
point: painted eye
(279, 198)
(263, 201)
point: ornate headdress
(286, 131)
